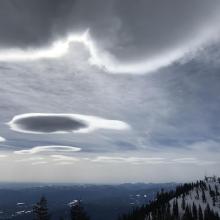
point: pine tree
(188, 214)
(183, 204)
(175, 209)
(197, 194)
(77, 212)
(207, 213)
(216, 190)
(203, 196)
(40, 210)
(194, 211)
(213, 200)
(200, 213)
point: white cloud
(55, 148)
(150, 160)
(2, 139)
(30, 159)
(133, 160)
(186, 160)
(193, 160)
(104, 59)
(56, 50)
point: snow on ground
(195, 196)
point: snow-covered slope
(205, 194)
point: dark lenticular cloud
(49, 124)
(40, 123)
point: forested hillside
(191, 201)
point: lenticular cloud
(55, 148)
(39, 123)
(49, 123)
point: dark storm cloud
(153, 26)
(128, 30)
(49, 124)
(26, 23)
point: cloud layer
(142, 127)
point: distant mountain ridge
(100, 201)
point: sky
(115, 91)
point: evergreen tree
(175, 209)
(188, 214)
(216, 190)
(40, 210)
(207, 213)
(203, 196)
(197, 194)
(194, 211)
(183, 204)
(200, 213)
(213, 200)
(77, 212)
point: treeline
(167, 207)
(76, 212)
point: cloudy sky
(109, 91)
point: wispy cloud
(43, 149)
(133, 160)
(30, 159)
(151, 160)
